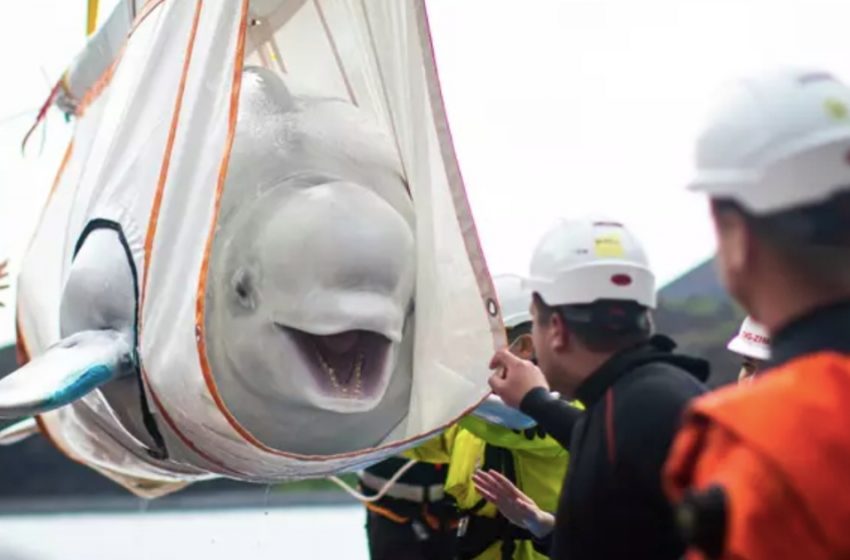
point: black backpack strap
(482, 532)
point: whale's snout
(334, 271)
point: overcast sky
(558, 108)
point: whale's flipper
(66, 372)
(18, 431)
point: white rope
(384, 489)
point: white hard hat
(781, 140)
(514, 299)
(583, 261)
(752, 341)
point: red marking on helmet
(621, 280)
(847, 157)
(757, 338)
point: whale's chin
(347, 372)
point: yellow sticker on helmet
(609, 245)
(835, 109)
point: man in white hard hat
(593, 293)
(761, 470)
(752, 343)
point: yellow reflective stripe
(91, 19)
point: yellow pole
(91, 19)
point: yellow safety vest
(540, 465)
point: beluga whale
(255, 262)
(313, 268)
(310, 302)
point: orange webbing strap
(384, 512)
(430, 519)
(434, 522)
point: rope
(42, 113)
(384, 489)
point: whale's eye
(243, 288)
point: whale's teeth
(356, 377)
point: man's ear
(736, 245)
(559, 333)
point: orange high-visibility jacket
(779, 449)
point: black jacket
(612, 504)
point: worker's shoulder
(804, 381)
(658, 382)
(827, 362)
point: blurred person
(752, 343)
(759, 470)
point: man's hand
(3, 275)
(514, 377)
(511, 502)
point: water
(254, 534)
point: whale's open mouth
(348, 365)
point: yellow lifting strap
(91, 18)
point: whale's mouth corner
(349, 368)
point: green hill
(697, 313)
